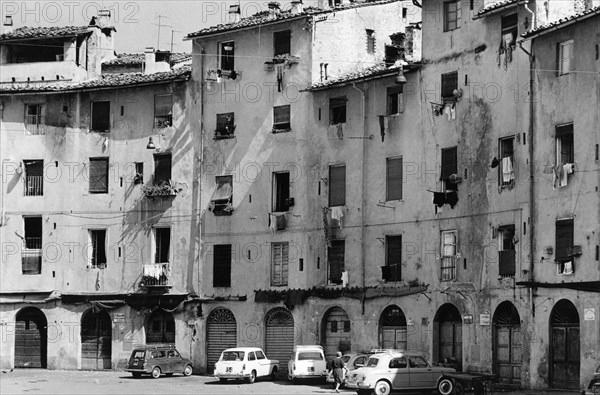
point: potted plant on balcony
(162, 190)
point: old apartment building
(356, 175)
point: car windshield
(310, 355)
(233, 356)
(139, 354)
(372, 362)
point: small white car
(246, 363)
(307, 362)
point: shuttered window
(162, 244)
(282, 42)
(98, 175)
(101, 116)
(395, 100)
(279, 264)
(393, 179)
(162, 168)
(393, 258)
(337, 185)
(449, 167)
(370, 41)
(564, 239)
(452, 14)
(335, 255)
(222, 265)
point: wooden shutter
(282, 42)
(98, 175)
(394, 178)
(101, 115)
(336, 261)
(337, 185)
(564, 238)
(222, 265)
(279, 267)
(449, 165)
(162, 168)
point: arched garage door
(96, 340)
(336, 331)
(279, 342)
(31, 338)
(221, 334)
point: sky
(136, 21)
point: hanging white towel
(344, 279)
(567, 169)
(272, 223)
(568, 269)
(337, 213)
(447, 112)
(507, 170)
(453, 112)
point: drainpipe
(532, 162)
(533, 21)
(363, 181)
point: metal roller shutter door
(280, 344)
(220, 336)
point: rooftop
(262, 18)
(562, 22)
(130, 59)
(496, 6)
(377, 71)
(106, 81)
(32, 33)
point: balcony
(156, 276)
(42, 72)
(31, 256)
(448, 268)
(35, 124)
(34, 185)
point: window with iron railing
(34, 178)
(448, 256)
(34, 119)
(31, 254)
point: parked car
(593, 387)
(158, 360)
(353, 360)
(246, 363)
(395, 370)
(307, 362)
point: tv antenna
(159, 26)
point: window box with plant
(163, 190)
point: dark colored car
(157, 360)
(594, 386)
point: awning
(587, 286)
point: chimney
(234, 13)
(150, 60)
(8, 24)
(297, 7)
(274, 10)
(103, 19)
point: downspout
(363, 181)
(533, 21)
(532, 206)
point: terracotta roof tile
(127, 59)
(43, 32)
(495, 6)
(579, 15)
(368, 73)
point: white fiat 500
(246, 363)
(307, 362)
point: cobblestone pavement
(39, 381)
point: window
(227, 55)
(222, 199)
(163, 111)
(34, 118)
(565, 57)
(281, 187)
(393, 177)
(451, 15)
(337, 110)
(565, 152)
(449, 169)
(222, 265)
(417, 362)
(279, 264)
(98, 175)
(260, 355)
(162, 169)
(509, 31)
(138, 178)
(335, 253)
(334, 326)
(34, 177)
(506, 177)
(346, 326)
(251, 356)
(97, 245)
(337, 185)
(281, 119)
(162, 244)
(225, 126)
(392, 271)
(506, 251)
(564, 246)
(370, 41)
(448, 258)
(395, 100)
(398, 363)
(101, 116)
(449, 84)
(282, 42)
(31, 254)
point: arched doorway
(31, 338)
(447, 336)
(336, 330)
(392, 328)
(506, 346)
(279, 336)
(96, 340)
(221, 333)
(564, 346)
(161, 328)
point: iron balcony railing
(35, 124)
(156, 275)
(34, 185)
(31, 256)
(448, 268)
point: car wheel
(136, 375)
(458, 389)
(295, 381)
(252, 377)
(156, 372)
(274, 373)
(382, 388)
(187, 371)
(445, 386)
